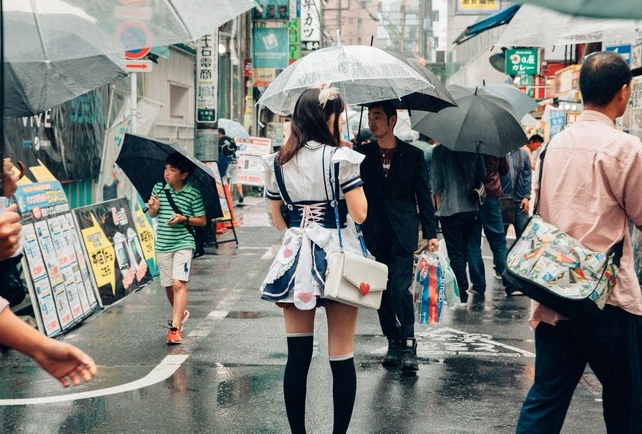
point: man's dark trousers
(562, 352)
(397, 300)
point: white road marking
(272, 251)
(162, 371)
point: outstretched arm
(63, 361)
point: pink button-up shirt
(591, 185)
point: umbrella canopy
(480, 123)
(429, 99)
(518, 101)
(33, 87)
(143, 161)
(233, 129)
(108, 26)
(362, 73)
(625, 9)
(534, 26)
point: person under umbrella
(174, 241)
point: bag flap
(358, 269)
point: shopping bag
(429, 295)
(451, 290)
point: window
(178, 101)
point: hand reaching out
(65, 362)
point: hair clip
(327, 94)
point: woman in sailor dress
(302, 175)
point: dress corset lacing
(312, 213)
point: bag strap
(279, 180)
(618, 249)
(334, 180)
(177, 210)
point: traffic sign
(139, 66)
(137, 54)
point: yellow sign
(101, 254)
(478, 6)
(145, 233)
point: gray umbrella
(625, 9)
(143, 161)
(520, 103)
(480, 123)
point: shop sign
(270, 47)
(522, 61)
(310, 25)
(478, 7)
(294, 31)
(207, 78)
(623, 50)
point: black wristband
(187, 221)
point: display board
(115, 255)
(250, 153)
(54, 262)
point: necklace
(385, 152)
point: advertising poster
(145, 232)
(56, 270)
(113, 248)
(249, 154)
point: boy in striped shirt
(174, 241)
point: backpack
(473, 168)
(198, 232)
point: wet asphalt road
(476, 365)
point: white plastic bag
(451, 289)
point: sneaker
(516, 292)
(241, 198)
(498, 276)
(393, 355)
(174, 336)
(409, 363)
(475, 291)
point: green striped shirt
(190, 203)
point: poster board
(249, 153)
(54, 262)
(114, 251)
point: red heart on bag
(364, 288)
(287, 252)
(305, 296)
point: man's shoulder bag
(555, 269)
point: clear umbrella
(40, 31)
(233, 129)
(362, 73)
(108, 26)
(625, 9)
(534, 26)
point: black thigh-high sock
(295, 380)
(344, 389)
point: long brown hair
(310, 122)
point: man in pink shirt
(591, 186)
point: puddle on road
(246, 315)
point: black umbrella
(480, 123)
(429, 99)
(143, 161)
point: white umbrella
(362, 73)
(534, 26)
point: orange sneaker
(174, 336)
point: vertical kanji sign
(207, 78)
(310, 25)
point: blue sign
(271, 47)
(623, 50)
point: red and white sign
(137, 54)
(139, 66)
